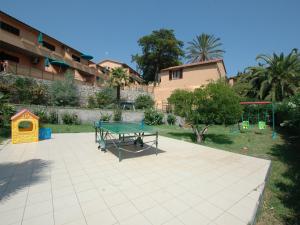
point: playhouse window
(25, 126)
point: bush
(117, 114)
(42, 114)
(64, 92)
(171, 119)
(6, 112)
(53, 117)
(92, 102)
(105, 98)
(70, 119)
(144, 102)
(288, 114)
(216, 103)
(153, 117)
(181, 100)
(24, 90)
(105, 117)
(40, 94)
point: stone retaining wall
(86, 115)
(85, 91)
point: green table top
(125, 128)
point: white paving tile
(124, 211)
(187, 184)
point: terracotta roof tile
(194, 64)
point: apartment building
(188, 77)
(109, 64)
(28, 51)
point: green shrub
(171, 119)
(64, 92)
(105, 97)
(92, 102)
(153, 117)
(181, 100)
(24, 90)
(6, 112)
(53, 117)
(40, 94)
(105, 117)
(288, 113)
(117, 116)
(70, 119)
(144, 102)
(42, 114)
(215, 103)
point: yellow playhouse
(24, 127)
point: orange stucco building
(27, 51)
(109, 64)
(187, 76)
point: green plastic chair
(261, 125)
(245, 124)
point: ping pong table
(120, 134)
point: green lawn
(4, 134)
(62, 128)
(282, 196)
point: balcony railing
(18, 69)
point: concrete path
(66, 180)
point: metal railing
(16, 68)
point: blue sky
(110, 29)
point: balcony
(18, 69)
(35, 49)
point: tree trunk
(118, 94)
(199, 136)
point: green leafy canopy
(160, 49)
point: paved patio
(66, 180)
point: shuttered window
(175, 74)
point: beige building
(187, 76)
(25, 50)
(109, 64)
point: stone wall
(85, 115)
(131, 95)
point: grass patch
(63, 128)
(4, 134)
(282, 196)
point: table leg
(120, 153)
(156, 142)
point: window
(5, 56)
(175, 74)
(49, 46)
(76, 58)
(9, 28)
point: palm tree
(204, 47)
(276, 77)
(118, 78)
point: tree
(118, 78)
(160, 50)
(276, 77)
(64, 92)
(214, 104)
(204, 47)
